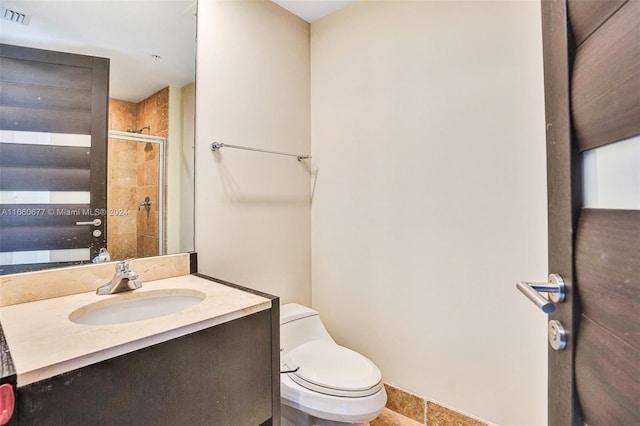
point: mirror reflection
(149, 151)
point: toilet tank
(298, 325)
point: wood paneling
(608, 270)
(587, 16)
(605, 94)
(607, 376)
(99, 132)
(275, 338)
(53, 92)
(563, 181)
(193, 262)
(45, 214)
(48, 56)
(45, 237)
(7, 368)
(44, 179)
(218, 376)
(17, 238)
(603, 73)
(43, 97)
(45, 120)
(45, 74)
(13, 155)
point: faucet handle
(123, 265)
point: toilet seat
(325, 367)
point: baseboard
(424, 411)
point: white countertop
(44, 342)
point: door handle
(555, 288)
(94, 222)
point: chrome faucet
(124, 280)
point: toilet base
(293, 417)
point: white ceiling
(130, 33)
(312, 10)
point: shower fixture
(146, 203)
(148, 128)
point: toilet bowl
(323, 383)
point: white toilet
(325, 384)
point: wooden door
(592, 100)
(53, 125)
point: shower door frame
(160, 141)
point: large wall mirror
(149, 155)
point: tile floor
(391, 418)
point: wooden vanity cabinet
(223, 375)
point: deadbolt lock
(557, 335)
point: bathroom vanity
(215, 363)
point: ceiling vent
(14, 16)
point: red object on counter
(7, 403)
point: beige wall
(187, 169)
(252, 209)
(179, 170)
(428, 183)
(430, 201)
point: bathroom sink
(136, 306)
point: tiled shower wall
(147, 217)
(133, 175)
(153, 111)
(121, 199)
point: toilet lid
(326, 367)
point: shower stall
(135, 195)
